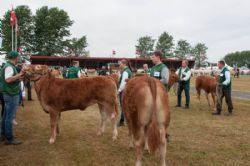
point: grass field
(238, 84)
(197, 138)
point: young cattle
(56, 73)
(146, 108)
(58, 95)
(209, 85)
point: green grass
(197, 138)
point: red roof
(91, 58)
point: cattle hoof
(51, 141)
(99, 133)
(114, 138)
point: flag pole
(12, 36)
(16, 36)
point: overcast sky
(223, 25)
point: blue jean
(122, 114)
(11, 104)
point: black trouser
(227, 95)
(28, 85)
(2, 102)
(183, 85)
(122, 113)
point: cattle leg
(146, 148)
(213, 96)
(57, 127)
(163, 146)
(198, 93)
(207, 99)
(104, 118)
(139, 144)
(131, 140)
(53, 123)
(113, 118)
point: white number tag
(156, 74)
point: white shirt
(187, 74)
(9, 72)
(79, 73)
(164, 75)
(227, 75)
(123, 82)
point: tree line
(238, 58)
(165, 43)
(44, 33)
(47, 33)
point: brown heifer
(56, 73)
(209, 85)
(146, 108)
(58, 95)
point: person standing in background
(224, 89)
(146, 69)
(125, 74)
(74, 71)
(184, 74)
(159, 70)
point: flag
(12, 17)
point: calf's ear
(38, 67)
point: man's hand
(220, 84)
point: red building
(96, 62)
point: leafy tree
(165, 44)
(77, 47)
(238, 58)
(51, 28)
(199, 52)
(183, 48)
(25, 29)
(145, 46)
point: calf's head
(173, 78)
(34, 72)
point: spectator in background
(11, 95)
(125, 74)
(184, 74)
(103, 71)
(224, 89)
(64, 71)
(159, 70)
(146, 69)
(74, 71)
(2, 102)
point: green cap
(12, 54)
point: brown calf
(209, 85)
(146, 108)
(58, 95)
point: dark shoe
(121, 124)
(216, 113)
(14, 142)
(2, 138)
(177, 106)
